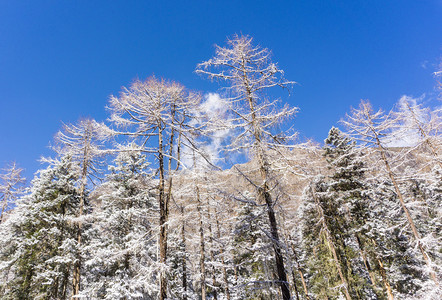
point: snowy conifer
(253, 253)
(39, 238)
(373, 128)
(84, 143)
(121, 257)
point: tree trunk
(77, 265)
(163, 218)
(212, 255)
(301, 275)
(384, 279)
(65, 283)
(282, 277)
(202, 251)
(226, 280)
(183, 259)
(383, 274)
(264, 194)
(295, 286)
(366, 263)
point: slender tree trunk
(282, 277)
(265, 194)
(65, 283)
(301, 275)
(366, 263)
(235, 271)
(384, 279)
(163, 217)
(212, 255)
(383, 274)
(169, 191)
(77, 265)
(56, 283)
(304, 285)
(226, 280)
(202, 251)
(183, 259)
(164, 200)
(295, 286)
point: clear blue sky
(60, 60)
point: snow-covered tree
(348, 191)
(84, 143)
(158, 114)
(180, 274)
(121, 254)
(11, 185)
(252, 253)
(419, 128)
(321, 237)
(395, 259)
(250, 73)
(342, 228)
(372, 128)
(38, 239)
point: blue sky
(60, 60)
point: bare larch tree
(83, 142)
(371, 128)
(250, 72)
(158, 113)
(11, 182)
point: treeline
(152, 206)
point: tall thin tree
(83, 142)
(158, 113)
(371, 128)
(250, 72)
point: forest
(181, 195)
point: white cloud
(214, 110)
(214, 105)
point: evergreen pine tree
(253, 254)
(335, 216)
(121, 255)
(39, 242)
